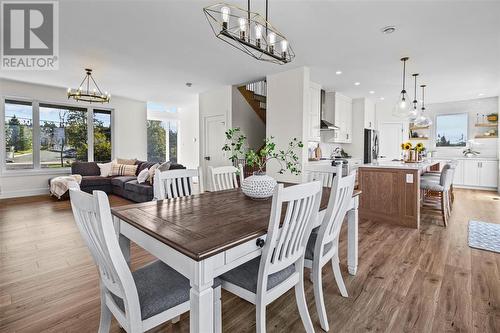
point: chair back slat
(176, 183)
(225, 177)
(93, 218)
(286, 244)
(323, 173)
(340, 198)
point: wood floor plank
(407, 281)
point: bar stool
(437, 174)
(439, 188)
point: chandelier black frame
(249, 32)
(84, 92)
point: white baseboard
(24, 193)
(476, 187)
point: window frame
(35, 105)
(436, 130)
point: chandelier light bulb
(284, 47)
(258, 34)
(272, 40)
(225, 16)
(243, 27)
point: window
(102, 135)
(162, 141)
(451, 130)
(63, 135)
(41, 135)
(18, 135)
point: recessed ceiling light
(381, 98)
(188, 84)
(480, 94)
(338, 72)
(357, 83)
(388, 29)
(372, 92)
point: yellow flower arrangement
(420, 147)
(406, 146)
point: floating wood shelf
(422, 138)
(414, 128)
(487, 125)
(486, 136)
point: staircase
(255, 94)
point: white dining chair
(225, 177)
(281, 265)
(323, 173)
(323, 244)
(176, 183)
(139, 300)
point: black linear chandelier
(249, 32)
(89, 91)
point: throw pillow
(130, 161)
(123, 170)
(143, 176)
(105, 169)
(152, 171)
(164, 166)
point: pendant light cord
(404, 72)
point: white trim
(24, 193)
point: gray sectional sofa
(124, 186)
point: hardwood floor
(408, 280)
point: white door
(488, 173)
(214, 140)
(390, 140)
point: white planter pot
(258, 186)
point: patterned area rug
(484, 236)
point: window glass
(172, 141)
(451, 130)
(102, 135)
(63, 135)
(18, 135)
(157, 141)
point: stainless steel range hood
(325, 125)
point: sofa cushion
(134, 186)
(95, 181)
(143, 165)
(85, 169)
(123, 170)
(121, 180)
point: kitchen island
(391, 191)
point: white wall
(487, 147)
(244, 117)
(129, 136)
(287, 112)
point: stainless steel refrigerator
(371, 146)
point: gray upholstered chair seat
(311, 243)
(246, 275)
(160, 288)
(431, 184)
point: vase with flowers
(260, 185)
(413, 154)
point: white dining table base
(201, 274)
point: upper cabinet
(314, 112)
(342, 117)
(364, 110)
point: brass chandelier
(89, 91)
(249, 32)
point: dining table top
(203, 225)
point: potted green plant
(260, 185)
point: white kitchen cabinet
(369, 113)
(314, 112)
(488, 174)
(343, 119)
(478, 173)
(458, 178)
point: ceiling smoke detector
(388, 30)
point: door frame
(204, 146)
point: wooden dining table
(205, 235)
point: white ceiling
(149, 49)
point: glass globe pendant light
(423, 120)
(413, 115)
(403, 106)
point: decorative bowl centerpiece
(260, 185)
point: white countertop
(399, 165)
(479, 157)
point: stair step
(259, 98)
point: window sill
(34, 172)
